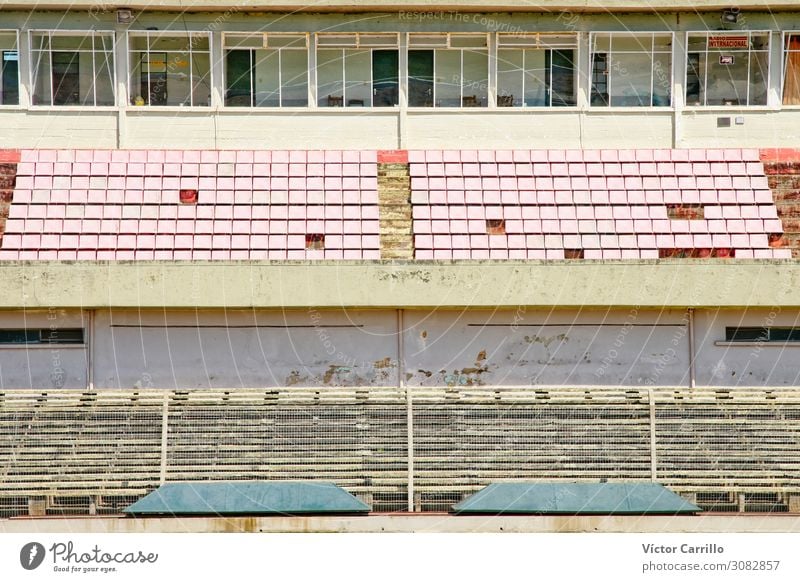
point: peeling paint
(384, 363)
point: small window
(762, 334)
(41, 336)
(495, 226)
(315, 242)
(72, 69)
(727, 68)
(632, 70)
(9, 69)
(169, 69)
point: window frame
(357, 46)
(576, 47)
(785, 34)
(633, 34)
(18, 104)
(709, 33)
(74, 33)
(265, 46)
(447, 47)
(730, 331)
(167, 33)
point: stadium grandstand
(413, 249)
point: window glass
(791, 76)
(631, 70)
(9, 69)
(75, 69)
(170, 69)
(727, 68)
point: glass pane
(137, 43)
(385, 76)
(509, 77)
(244, 41)
(201, 79)
(358, 78)
(71, 43)
(8, 41)
(369, 40)
(9, 79)
(40, 42)
(267, 79)
(475, 90)
(791, 82)
(629, 43)
(286, 40)
(340, 40)
(562, 83)
(745, 334)
(448, 78)
(420, 78)
(430, 40)
(104, 78)
(727, 78)
(330, 78)
(694, 75)
(41, 78)
(66, 78)
(536, 94)
(294, 78)
(759, 73)
(662, 80)
(169, 43)
(629, 75)
(238, 84)
(662, 43)
(137, 94)
(468, 41)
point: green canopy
(247, 498)
(575, 499)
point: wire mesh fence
(76, 452)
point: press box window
(9, 69)
(536, 70)
(727, 68)
(631, 70)
(41, 336)
(762, 334)
(72, 68)
(448, 70)
(791, 70)
(266, 70)
(358, 70)
(169, 69)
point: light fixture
(124, 16)
(730, 15)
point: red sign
(728, 42)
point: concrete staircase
(394, 199)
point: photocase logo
(31, 555)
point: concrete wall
(471, 347)
(217, 127)
(721, 363)
(42, 366)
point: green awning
(575, 499)
(248, 498)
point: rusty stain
(293, 378)
(428, 373)
(384, 363)
(424, 334)
(481, 356)
(409, 375)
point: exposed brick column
(782, 167)
(8, 178)
(394, 199)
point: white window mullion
(94, 72)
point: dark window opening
(600, 79)
(762, 334)
(573, 253)
(41, 336)
(66, 78)
(10, 78)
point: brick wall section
(394, 200)
(8, 178)
(782, 167)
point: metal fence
(419, 449)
